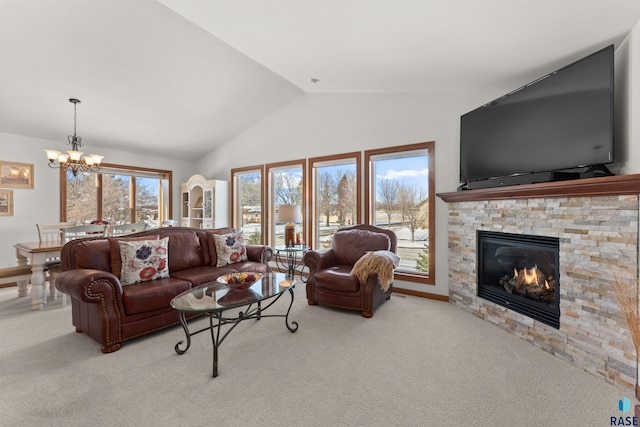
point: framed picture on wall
(6, 202)
(16, 175)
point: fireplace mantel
(588, 187)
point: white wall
(42, 203)
(627, 84)
(316, 125)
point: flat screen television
(543, 131)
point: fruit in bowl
(239, 281)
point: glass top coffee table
(218, 302)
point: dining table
(37, 254)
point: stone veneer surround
(598, 236)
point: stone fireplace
(595, 224)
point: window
(400, 196)
(118, 194)
(286, 187)
(247, 206)
(335, 201)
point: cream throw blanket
(381, 263)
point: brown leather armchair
(330, 281)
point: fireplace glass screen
(520, 272)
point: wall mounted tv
(557, 127)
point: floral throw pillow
(230, 248)
(143, 260)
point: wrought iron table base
(289, 262)
(253, 311)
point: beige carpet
(417, 362)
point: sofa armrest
(319, 259)
(259, 253)
(91, 286)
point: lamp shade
(289, 214)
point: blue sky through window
(412, 170)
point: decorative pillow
(114, 248)
(230, 248)
(143, 260)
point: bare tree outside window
(81, 197)
(250, 205)
(345, 196)
(288, 188)
(147, 207)
(335, 199)
(387, 197)
(413, 207)
(325, 197)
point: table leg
(291, 265)
(37, 287)
(294, 324)
(53, 292)
(183, 322)
(215, 340)
(23, 285)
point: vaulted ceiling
(178, 77)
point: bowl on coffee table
(239, 281)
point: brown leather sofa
(111, 313)
(330, 281)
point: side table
(287, 259)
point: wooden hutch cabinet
(204, 203)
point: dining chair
(52, 233)
(80, 231)
(122, 229)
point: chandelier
(73, 159)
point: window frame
(270, 199)
(327, 161)
(235, 213)
(369, 155)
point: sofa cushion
(185, 252)
(91, 254)
(143, 260)
(148, 296)
(350, 245)
(337, 278)
(114, 248)
(201, 275)
(230, 248)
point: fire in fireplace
(520, 272)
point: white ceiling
(178, 77)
